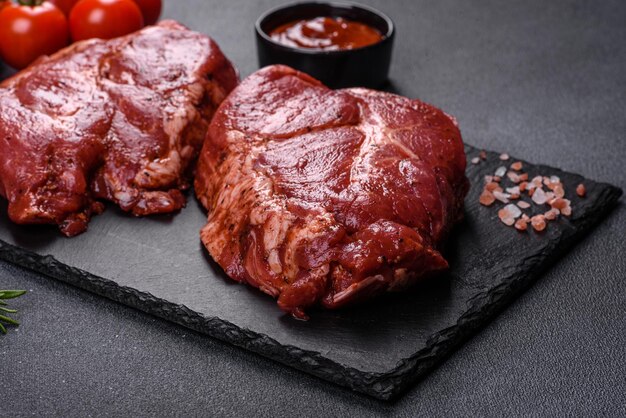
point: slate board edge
(384, 386)
(307, 361)
(487, 305)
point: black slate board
(159, 266)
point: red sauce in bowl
(326, 34)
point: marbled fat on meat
(120, 120)
(328, 197)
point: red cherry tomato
(28, 32)
(150, 9)
(104, 19)
(65, 5)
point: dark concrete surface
(545, 81)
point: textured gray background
(543, 81)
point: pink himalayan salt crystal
(513, 210)
(523, 186)
(502, 197)
(563, 206)
(507, 220)
(552, 214)
(513, 176)
(539, 196)
(521, 225)
(538, 222)
(513, 190)
(558, 190)
(508, 214)
(536, 181)
(493, 186)
(486, 198)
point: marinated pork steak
(120, 120)
(328, 197)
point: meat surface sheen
(120, 120)
(328, 197)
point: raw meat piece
(120, 120)
(328, 197)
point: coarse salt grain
(475, 160)
(508, 221)
(563, 206)
(500, 171)
(538, 222)
(505, 217)
(552, 214)
(492, 187)
(513, 210)
(558, 203)
(521, 225)
(558, 190)
(504, 156)
(513, 190)
(522, 204)
(517, 166)
(513, 176)
(539, 196)
(502, 197)
(486, 198)
(581, 190)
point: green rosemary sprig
(8, 294)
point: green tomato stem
(30, 3)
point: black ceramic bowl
(365, 67)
